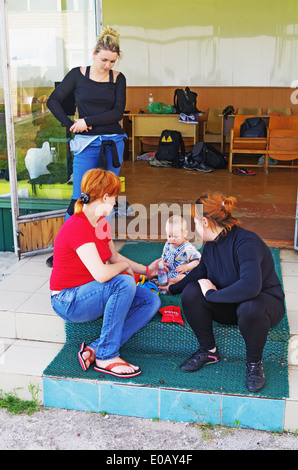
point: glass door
(46, 39)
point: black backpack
(253, 127)
(185, 101)
(228, 110)
(171, 148)
(203, 152)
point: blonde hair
(109, 40)
(217, 208)
(176, 221)
(95, 184)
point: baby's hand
(165, 289)
(182, 268)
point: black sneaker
(194, 166)
(199, 359)
(204, 168)
(49, 261)
(255, 378)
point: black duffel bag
(203, 152)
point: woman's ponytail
(217, 208)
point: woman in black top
(100, 96)
(235, 283)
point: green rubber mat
(162, 370)
(159, 348)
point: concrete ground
(58, 429)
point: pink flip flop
(244, 172)
(80, 356)
(108, 370)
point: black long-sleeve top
(101, 104)
(239, 264)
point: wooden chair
(283, 139)
(245, 145)
(280, 111)
(212, 127)
(249, 111)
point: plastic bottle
(53, 154)
(162, 274)
(151, 99)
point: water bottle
(151, 99)
(162, 274)
(53, 154)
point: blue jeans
(125, 307)
(88, 159)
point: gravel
(59, 429)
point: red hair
(217, 208)
(96, 183)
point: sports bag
(171, 148)
(228, 110)
(185, 101)
(253, 127)
(157, 107)
(203, 152)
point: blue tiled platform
(158, 403)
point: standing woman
(234, 284)
(100, 96)
(87, 280)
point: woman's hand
(129, 271)
(153, 267)
(79, 126)
(205, 285)
(101, 272)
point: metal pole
(6, 72)
(98, 17)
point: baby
(179, 254)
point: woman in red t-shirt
(85, 287)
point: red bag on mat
(171, 314)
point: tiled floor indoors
(31, 334)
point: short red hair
(217, 208)
(96, 183)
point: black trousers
(254, 317)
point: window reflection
(46, 40)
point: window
(47, 38)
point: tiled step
(165, 404)
(22, 363)
(25, 307)
(162, 369)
